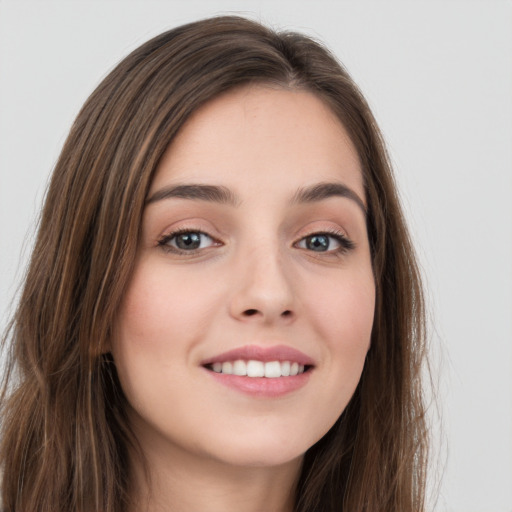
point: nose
(262, 289)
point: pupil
(318, 243)
(188, 241)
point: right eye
(186, 241)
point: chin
(264, 449)
(262, 458)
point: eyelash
(345, 244)
(166, 239)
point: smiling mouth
(254, 368)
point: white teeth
(227, 368)
(253, 368)
(272, 369)
(239, 368)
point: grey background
(438, 75)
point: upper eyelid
(173, 233)
(334, 232)
(185, 227)
(219, 235)
(328, 231)
(321, 224)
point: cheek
(342, 317)
(160, 306)
(343, 311)
(162, 318)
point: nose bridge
(263, 283)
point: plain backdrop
(438, 75)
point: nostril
(254, 312)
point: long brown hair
(64, 430)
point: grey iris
(318, 243)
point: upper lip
(264, 354)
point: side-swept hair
(64, 429)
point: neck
(175, 482)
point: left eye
(187, 240)
(323, 242)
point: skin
(253, 280)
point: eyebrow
(223, 195)
(327, 190)
(211, 193)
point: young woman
(223, 309)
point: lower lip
(262, 386)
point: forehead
(264, 136)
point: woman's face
(253, 260)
